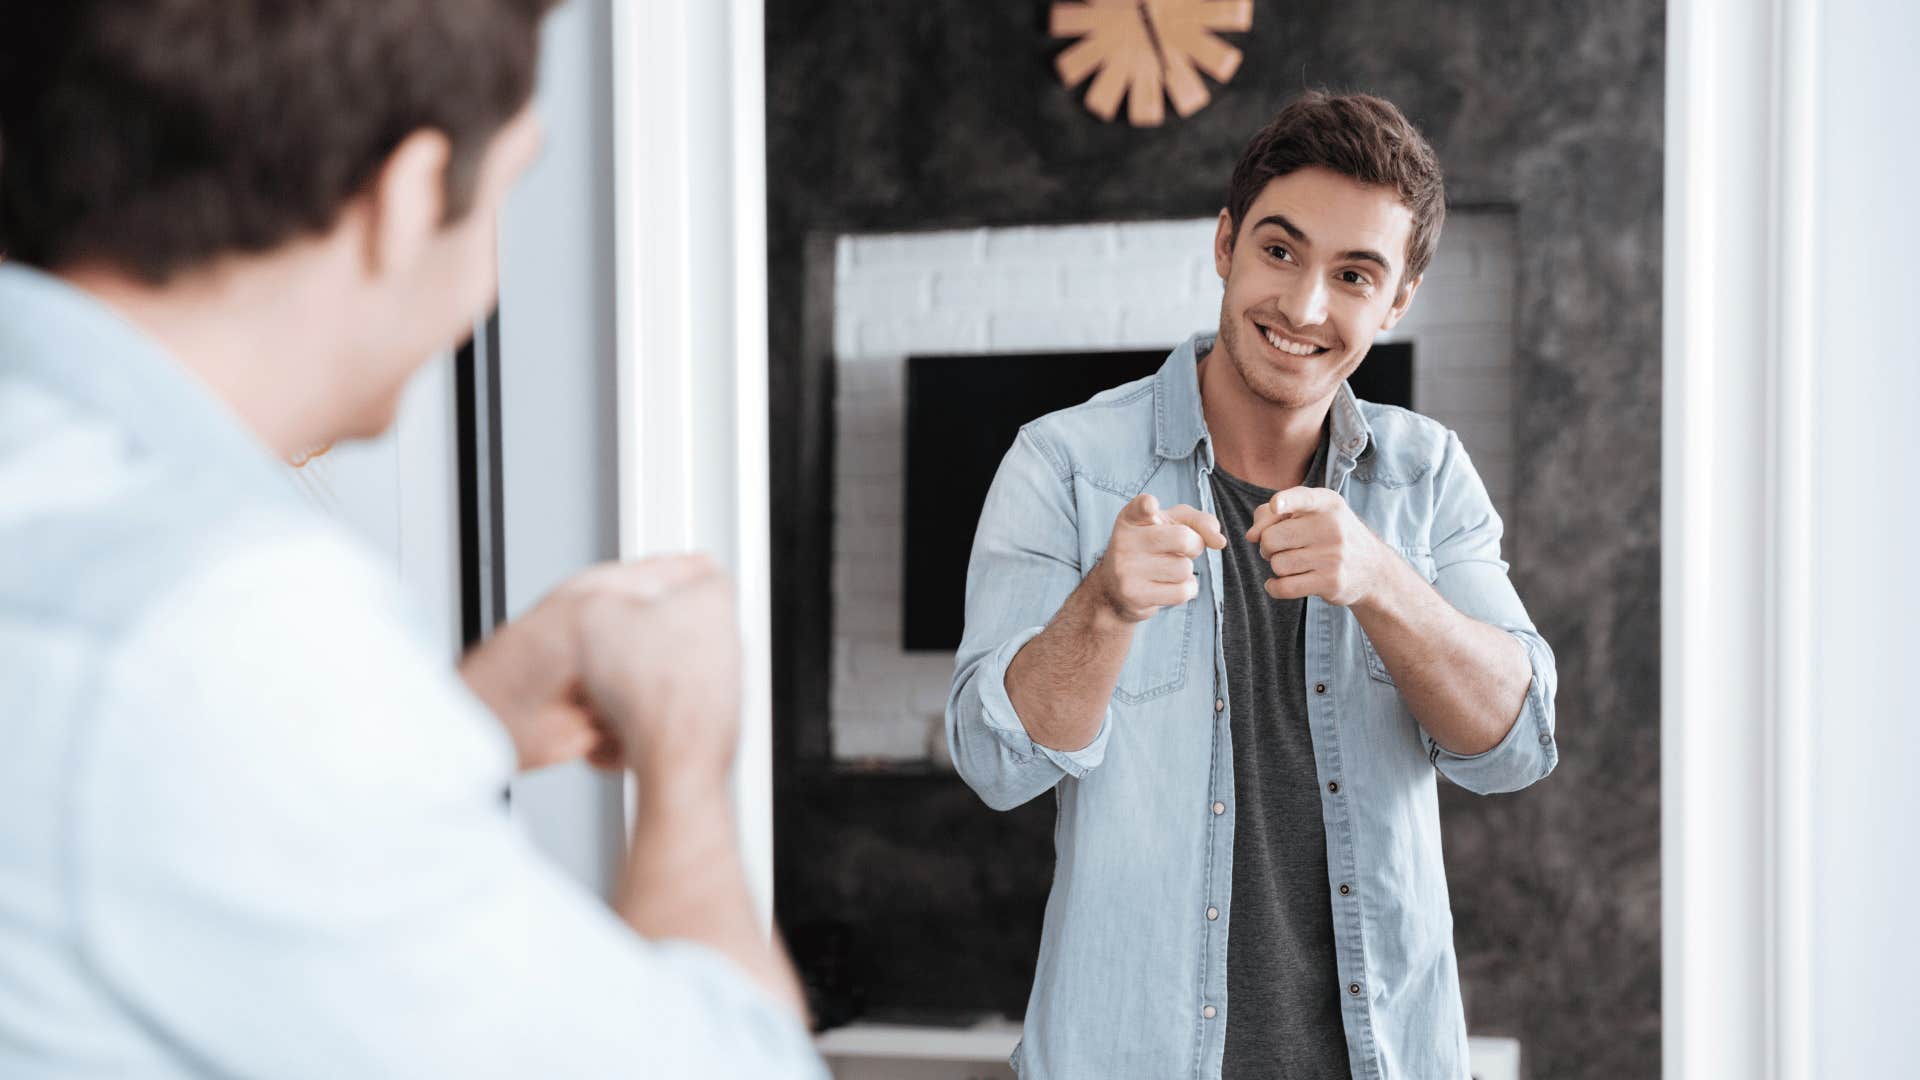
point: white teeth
(1289, 347)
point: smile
(1291, 346)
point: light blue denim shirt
(1132, 974)
(250, 820)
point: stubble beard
(1255, 372)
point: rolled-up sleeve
(1025, 564)
(1471, 575)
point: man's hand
(617, 662)
(1316, 546)
(638, 664)
(1150, 554)
(661, 666)
(527, 675)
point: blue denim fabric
(1131, 979)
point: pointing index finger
(1201, 522)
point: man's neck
(261, 339)
(1268, 445)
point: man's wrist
(1100, 615)
(513, 671)
(1396, 586)
(664, 792)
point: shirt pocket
(1157, 661)
(1422, 560)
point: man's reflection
(1236, 619)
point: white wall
(1864, 872)
(1137, 285)
(558, 438)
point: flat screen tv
(963, 413)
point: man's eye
(1354, 277)
(1279, 252)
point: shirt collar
(1180, 423)
(66, 340)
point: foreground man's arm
(304, 870)
(638, 665)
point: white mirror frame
(1737, 444)
(690, 251)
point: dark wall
(943, 113)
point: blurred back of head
(157, 135)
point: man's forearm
(1463, 680)
(684, 880)
(1062, 680)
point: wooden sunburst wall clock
(1148, 52)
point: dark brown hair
(157, 134)
(1355, 135)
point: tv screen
(962, 415)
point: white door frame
(1736, 539)
(691, 248)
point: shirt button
(1219, 704)
(1319, 688)
(1213, 913)
(1545, 739)
(1345, 889)
(1207, 1012)
(1333, 786)
(1354, 989)
(1219, 808)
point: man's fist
(1149, 560)
(634, 664)
(527, 673)
(1316, 546)
(660, 664)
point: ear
(406, 203)
(1223, 246)
(1401, 303)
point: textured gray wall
(945, 113)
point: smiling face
(1314, 273)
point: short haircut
(1358, 136)
(156, 135)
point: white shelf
(991, 1041)
(987, 1041)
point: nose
(1305, 304)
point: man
(1236, 618)
(248, 825)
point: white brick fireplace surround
(1142, 285)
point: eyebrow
(1361, 255)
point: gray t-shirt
(1283, 988)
